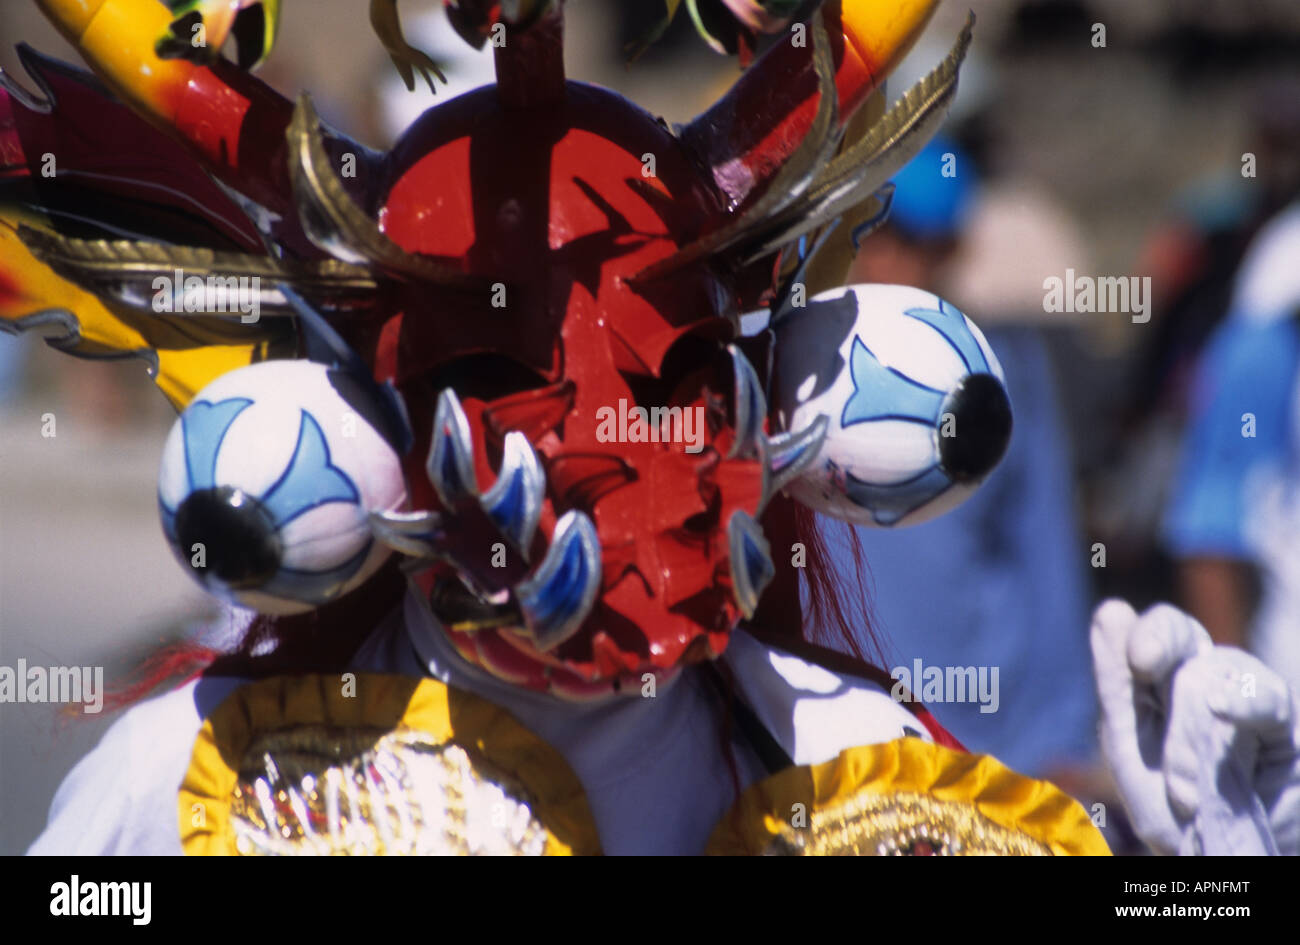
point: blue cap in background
(928, 205)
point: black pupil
(240, 546)
(981, 416)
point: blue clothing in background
(1249, 367)
(1000, 581)
(13, 353)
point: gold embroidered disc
(902, 824)
(907, 797)
(379, 765)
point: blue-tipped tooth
(786, 455)
(559, 595)
(751, 561)
(514, 503)
(409, 533)
(750, 406)
(451, 456)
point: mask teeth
(410, 533)
(786, 455)
(751, 561)
(559, 595)
(451, 458)
(514, 503)
(750, 407)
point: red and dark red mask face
(622, 393)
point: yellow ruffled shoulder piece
(906, 797)
(376, 764)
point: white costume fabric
(653, 769)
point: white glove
(1203, 740)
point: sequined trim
(376, 764)
(322, 790)
(902, 824)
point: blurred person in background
(1194, 255)
(1234, 522)
(1193, 258)
(999, 581)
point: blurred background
(1171, 152)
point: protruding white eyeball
(267, 482)
(917, 405)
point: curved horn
(336, 224)
(795, 175)
(125, 271)
(753, 130)
(238, 145)
(859, 171)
